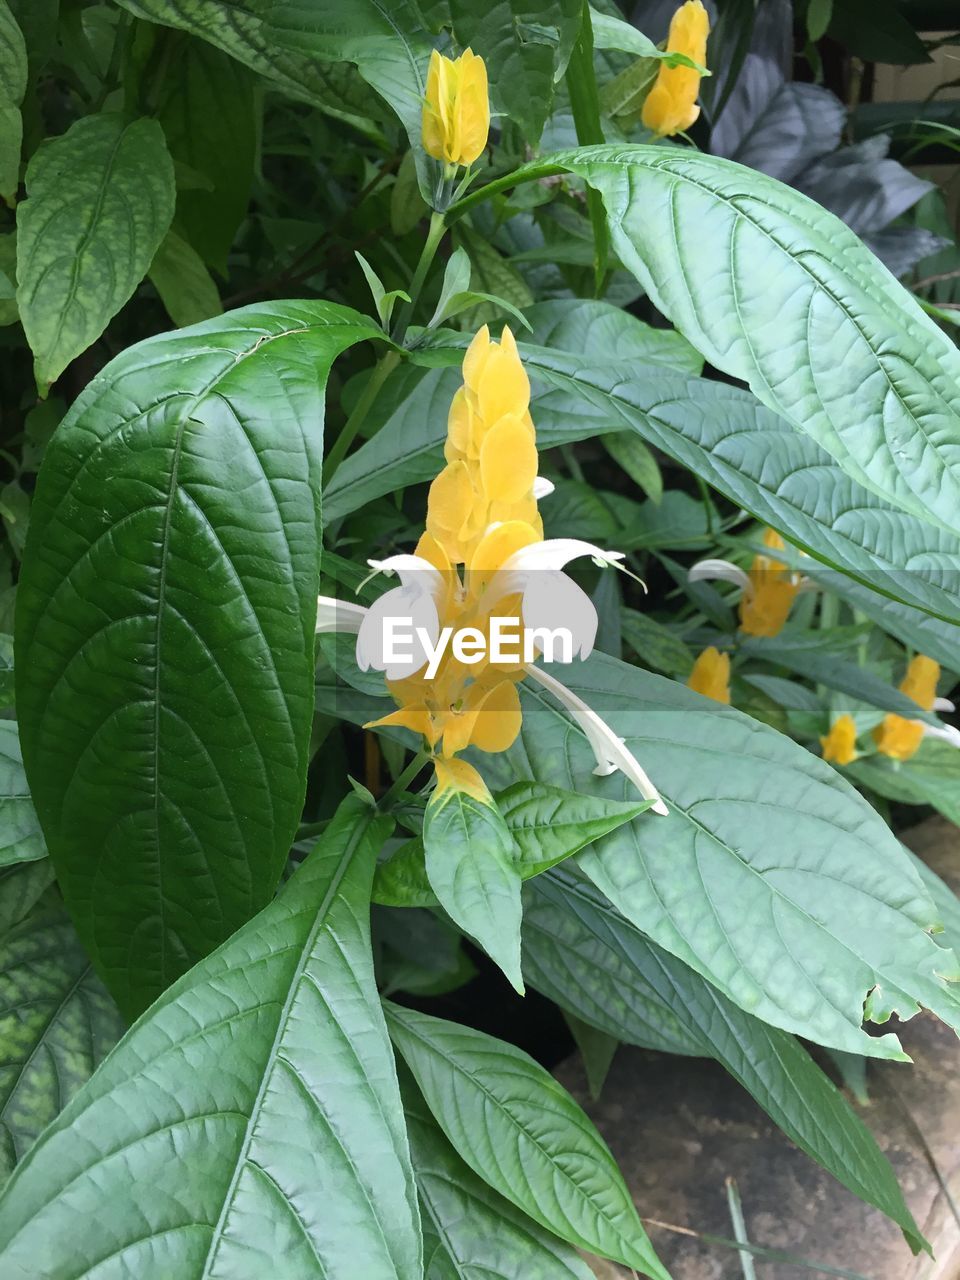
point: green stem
(585, 101)
(437, 228)
(378, 376)
(407, 776)
(528, 173)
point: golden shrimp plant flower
(482, 559)
(671, 105)
(711, 675)
(767, 592)
(900, 738)
(456, 109)
(839, 746)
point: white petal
(720, 571)
(611, 752)
(417, 611)
(553, 601)
(555, 553)
(943, 704)
(542, 487)
(338, 615)
(412, 570)
(945, 732)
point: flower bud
(671, 105)
(456, 113)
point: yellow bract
(764, 610)
(456, 110)
(711, 675)
(840, 744)
(480, 510)
(671, 105)
(898, 737)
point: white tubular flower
(415, 603)
(720, 571)
(945, 732)
(338, 615)
(542, 487)
(610, 751)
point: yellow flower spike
(456, 111)
(840, 744)
(711, 675)
(898, 737)
(415, 717)
(450, 499)
(489, 718)
(476, 357)
(503, 386)
(508, 460)
(459, 428)
(671, 105)
(457, 775)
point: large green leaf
(520, 1131)
(775, 290)
(930, 777)
(22, 884)
(165, 620)
(470, 1232)
(21, 839)
(579, 951)
(100, 201)
(471, 864)
(57, 1024)
(252, 1116)
(770, 876)
(210, 122)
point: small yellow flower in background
(456, 111)
(765, 609)
(671, 105)
(711, 675)
(840, 744)
(898, 737)
(767, 592)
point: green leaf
(470, 1231)
(21, 886)
(21, 839)
(632, 455)
(13, 85)
(775, 290)
(878, 31)
(819, 13)
(175, 530)
(600, 332)
(269, 1068)
(550, 824)
(520, 1131)
(579, 951)
(209, 118)
(770, 876)
(9, 313)
(100, 202)
(471, 865)
(547, 825)
(597, 1050)
(655, 644)
(930, 777)
(820, 658)
(383, 301)
(57, 1024)
(610, 32)
(384, 39)
(184, 284)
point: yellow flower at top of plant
(671, 105)
(711, 675)
(765, 608)
(840, 744)
(898, 737)
(456, 110)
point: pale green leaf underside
(21, 839)
(770, 877)
(100, 201)
(579, 951)
(166, 615)
(519, 1129)
(775, 290)
(252, 1116)
(57, 1024)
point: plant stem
(379, 374)
(407, 776)
(585, 101)
(437, 228)
(527, 173)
